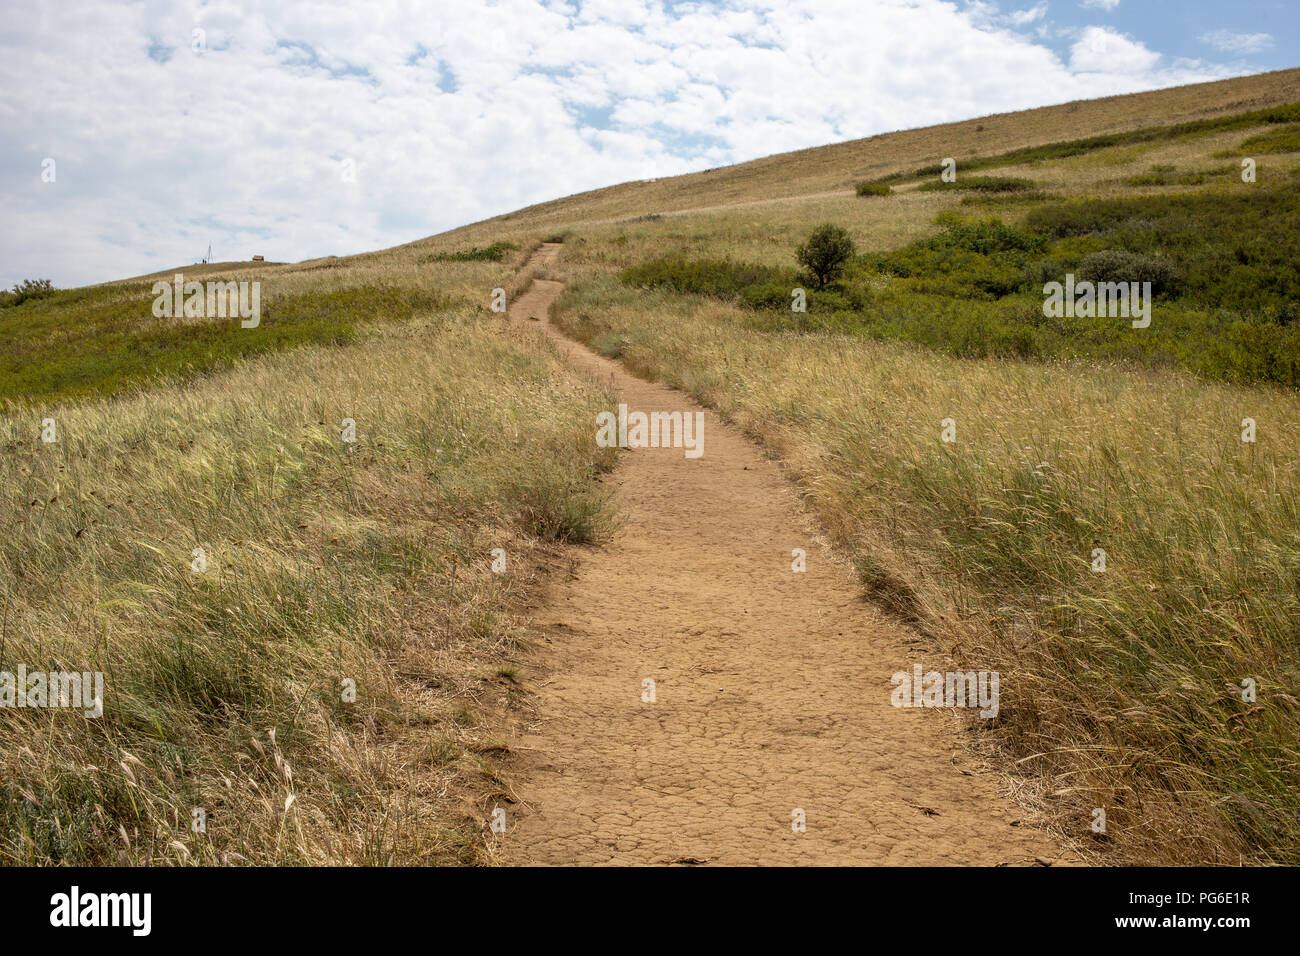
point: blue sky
(170, 125)
(1259, 34)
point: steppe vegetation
(1123, 689)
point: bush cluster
(26, 290)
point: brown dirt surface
(772, 688)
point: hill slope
(1104, 529)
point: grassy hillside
(1125, 685)
(1072, 436)
(760, 189)
(323, 562)
(1122, 689)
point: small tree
(825, 253)
(27, 289)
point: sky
(133, 134)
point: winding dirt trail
(771, 687)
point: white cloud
(456, 111)
(1100, 4)
(1103, 50)
(1230, 42)
(1022, 18)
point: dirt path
(771, 687)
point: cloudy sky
(132, 134)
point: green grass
(495, 252)
(716, 277)
(1078, 147)
(754, 286)
(1166, 175)
(873, 189)
(1285, 140)
(1228, 295)
(1235, 249)
(985, 184)
(1227, 292)
(101, 340)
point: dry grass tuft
(326, 562)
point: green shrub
(1223, 259)
(1119, 265)
(26, 290)
(987, 184)
(1233, 249)
(768, 294)
(982, 259)
(873, 189)
(1169, 176)
(493, 253)
(720, 278)
(1285, 140)
(824, 254)
(984, 236)
(1042, 271)
(1004, 201)
(754, 286)
(1074, 217)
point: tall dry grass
(1122, 689)
(326, 562)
